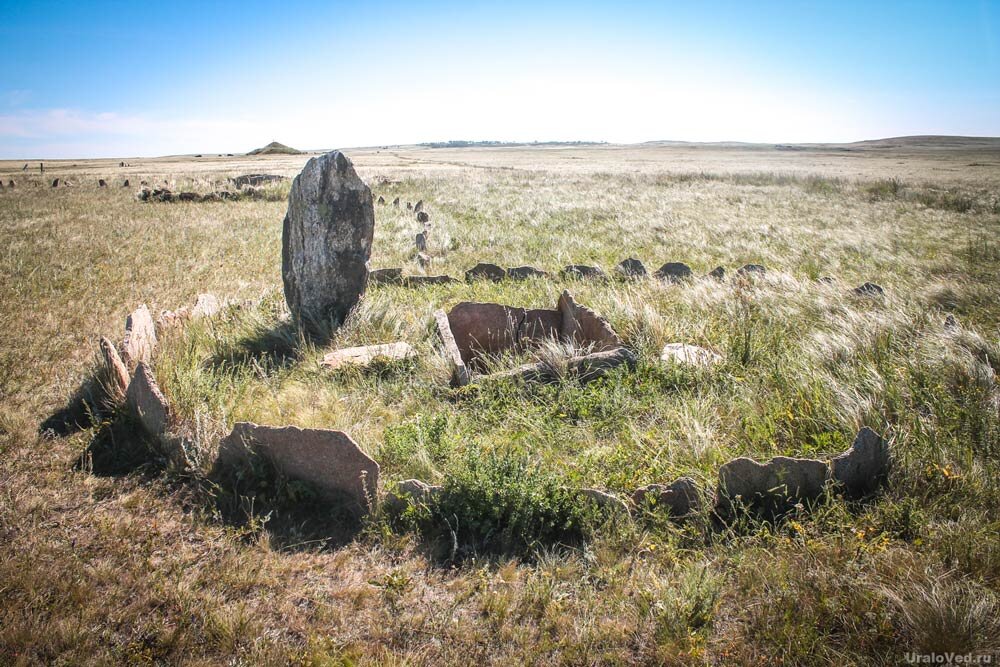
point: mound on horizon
(274, 148)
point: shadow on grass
(119, 448)
(85, 408)
(267, 348)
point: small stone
(682, 497)
(719, 273)
(460, 375)
(582, 327)
(596, 365)
(631, 268)
(188, 196)
(172, 318)
(329, 460)
(206, 305)
(326, 242)
(418, 207)
(485, 271)
(869, 289)
(385, 276)
(101, 183)
(366, 354)
(770, 488)
(140, 337)
(674, 272)
(747, 269)
(146, 402)
(409, 206)
(863, 467)
(381, 201)
(525, 272)
(604, 501)
(583, 272)
(423, 259)
(395, 202)
(115, 370)
(951, 322)
(10, 183)
(681, 353)
(423, 217)
(410, 492)
(55, 182)
(421, 241)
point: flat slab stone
(328, 460)
(366, 354)
(865, 466)
(460, 375)
(140, 337)
(692, 355)
(772, 487)
(146, 402)
(117, 373)
(594, 366)
(485, 328)
(385, 276)
(538, 325)
(582, 327)
(539, 372)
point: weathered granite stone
(681, 353)
(719, 273)
(674, 272)
(583, 272)
(485, 271)
(326, 242)
(381, 201)
(146, 402)
(770, 488)
(864, 467)
(869, 289)
(206, 305)
(460, 374)
(395, 202)
(681, 498)
(752, 269)
(631, 268)
(365, 355)
(421, 241)
(525, 272)
(418, 207)
(117, 374)
(140, 337)
(101, 183)
(330, 461)
(582, 327)
(596, 365)
(538, 325)
(423, 217)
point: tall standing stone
(326, 242)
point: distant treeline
(470, 144)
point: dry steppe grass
(110, 557)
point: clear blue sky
(82, 79)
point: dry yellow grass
(136, 566)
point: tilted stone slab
(140, 337)
(773, 487)
(538, 325)
(146, 402)
(117, 374)
(865, 466)
(366, 354)
(596, 365)
(460, 374)
(330, 461)
(485, 328)
(582, 327)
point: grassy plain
(108, 557)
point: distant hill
(274, 148)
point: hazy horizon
(110, 80)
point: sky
(130, 79)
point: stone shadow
(85, 408)
(271, 347)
